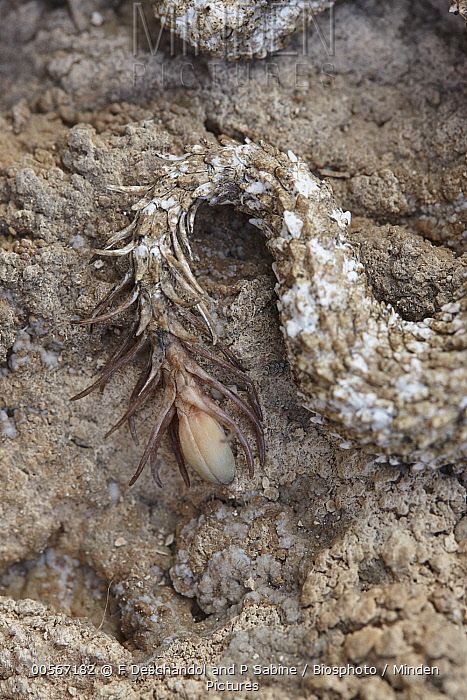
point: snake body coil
(397, 388)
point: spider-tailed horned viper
(397, 388)
(394, 387)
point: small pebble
(97, 19)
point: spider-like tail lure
(167, 299)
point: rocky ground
(324, 557)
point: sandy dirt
(325, 557)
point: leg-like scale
(136, 403)
(164, 418)
(118, 252)
(122, 234)
(111, 314)
(238, 373)
(113, 294)
(197, 371)
(173, 432)
(112, 367)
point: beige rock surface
(324, 557)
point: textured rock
(237, 29)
